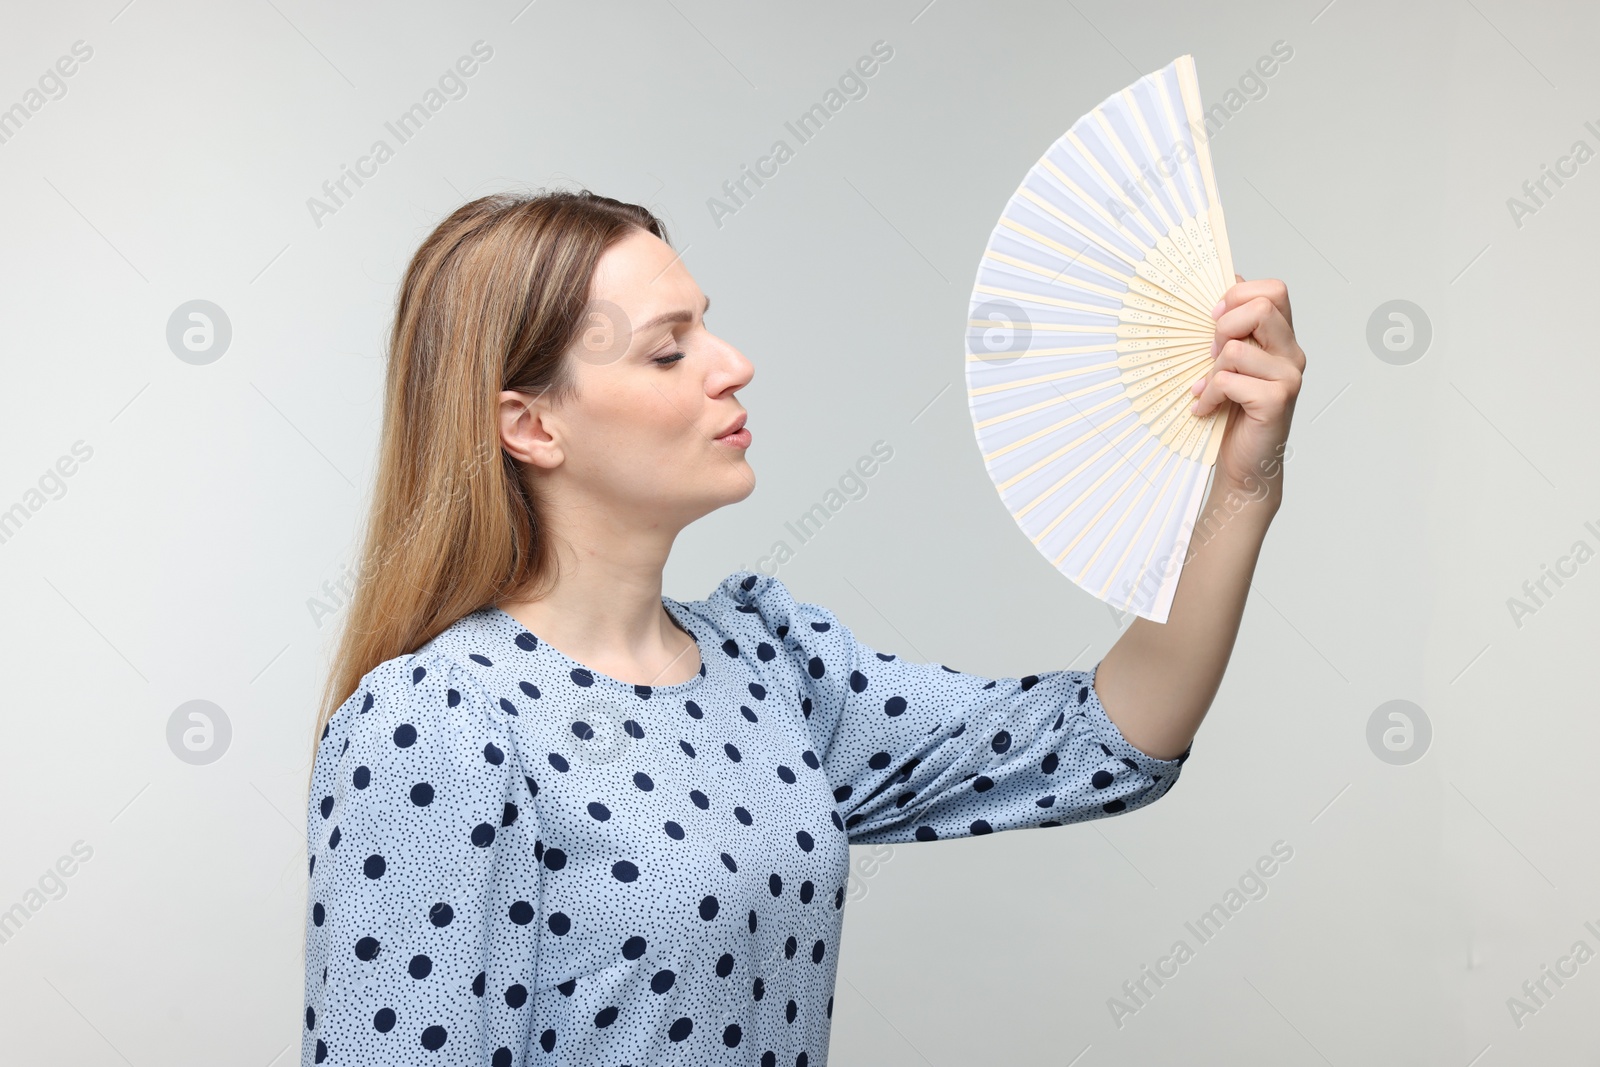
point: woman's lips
(739, 438)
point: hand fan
(1089, 322)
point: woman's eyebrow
(679, 315)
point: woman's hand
(1258, 366)
(1158, 681)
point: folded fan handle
(1219, 234)
(1189, 87)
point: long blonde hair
(491, 301)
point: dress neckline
(678, 613)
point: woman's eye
(668, 360)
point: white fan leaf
(1090, 322)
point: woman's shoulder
(437, 690)
(752, 599)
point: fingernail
(1198, 387)
(1218, 309)
(1194, 407)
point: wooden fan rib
(1156, 375)
(1196, 242)
(1133, 299)
(1108, 330)
(1170, 406)
(1033, 268)
(1190, 270)
(1186, 443)
(1075, 226)
(1052, 243)
(1021, 383)
(1181, 297)
(1189, 86)
(1114, 143)
(1046, 301)
(1169, 464)
(1137, 289)
(1198, 270)
(1194, 255)
(1052, 327)
(1088, 157)
(1156, 338)
(1161, 603)
(1128, 482)
(1136, 108)
(1196, 189)
(1140, 357)
(1149, 242)
(1144, 239)
(1110, 444)
(1186, 291)
(1081, 416)
(1165, 406)
(1034, 353)
(1136, 337)
(1176, 307)
(1156, 542)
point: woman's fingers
(1243, 359)
(1258, 363)
(1258, 318)
(1243, 292)
(1264, 399)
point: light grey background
(179, 561)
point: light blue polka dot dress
(518, 860)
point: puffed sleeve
(420, 835)
(920, 751)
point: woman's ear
(528, 430)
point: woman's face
(647, 435)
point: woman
(558, 817)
